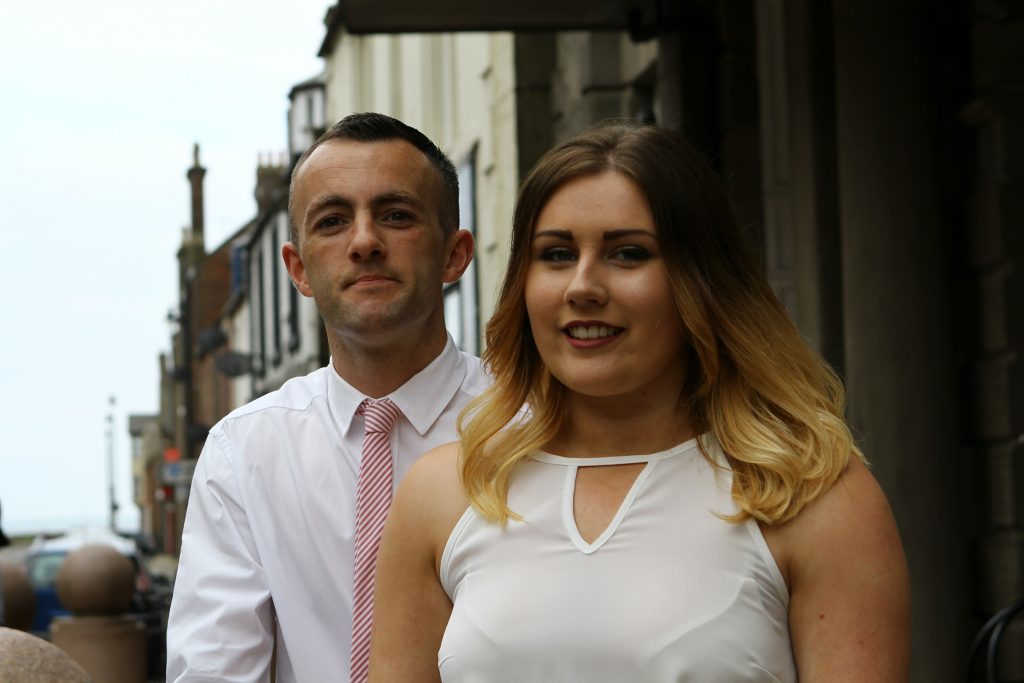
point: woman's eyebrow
(557, 234)
(625, 232)
(608, 236)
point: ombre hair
(753, 384)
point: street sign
(176, 473)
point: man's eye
(631, 254)
(557, 255)
(397, 216)
(328, 222)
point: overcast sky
(100, 103)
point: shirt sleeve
(221, 625)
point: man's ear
(296, 269)
(459, 251)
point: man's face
(371, 250)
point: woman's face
(598, 295)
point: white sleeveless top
(668, 592)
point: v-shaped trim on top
(569, 515)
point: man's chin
(377, 323)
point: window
(460, 298)
(257, 319)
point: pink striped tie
(373, 498)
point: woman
(681, 500)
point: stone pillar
(96, 583)
(896, 222)
(19, 600)
(801, 224)
(24, 658)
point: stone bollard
(25, 658)
(95, 582)
(19, 598)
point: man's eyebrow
(397, 196)
(327, 201)
(337, 200)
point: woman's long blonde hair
(772, 403)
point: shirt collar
(421, 399)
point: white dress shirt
(271, 523)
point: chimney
(272, 179)
(195, 179)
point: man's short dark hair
(373, 127)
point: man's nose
(366, 241)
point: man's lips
(370, 279)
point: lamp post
(110, 463)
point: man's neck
(377, 370)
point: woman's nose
(586, 285)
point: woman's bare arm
(849, 612)
(411, 609)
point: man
(287, 496)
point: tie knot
(380, 414)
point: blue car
(42, 574)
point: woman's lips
(590, 334)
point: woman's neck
(599, 426)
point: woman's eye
(557, 255)
(631, 254)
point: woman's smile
(589, 334)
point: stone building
(872, 150)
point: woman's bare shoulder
(436, 471)
(854, 506)
(431, 494)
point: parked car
(149, 600)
